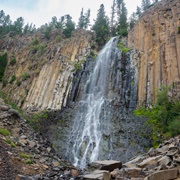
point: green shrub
(78, 65)
(42, 48)
(18, 83)
(25, 76)
(174, 126)
(123, 32)
(25, 156)
(5, 132)
(13, 78)
(10, 142)
(164, 116)
(13, 61)
(34, 121)
(58, 38)
(35, 41)
(179, 30)
(123, 48)
(3, 63)
(4, 83)
(29, 161)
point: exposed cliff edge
(157, 39)
(44, 68)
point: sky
(40, 12)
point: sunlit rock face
(157, 39)
(44, 70)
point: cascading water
(86, 133)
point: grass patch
(5, 132)
(13, 61)
(10, 142)
(25, 76)
(179, 30)
(123, 48)
(25, 156)
(29, 161)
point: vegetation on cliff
(164, 116)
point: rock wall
(157, 39)
(43, 70)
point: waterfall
(86, 133)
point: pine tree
(84, 20)
(101, 26)
(112, 26)
(81, 20)
(145, 4)
(122, 24)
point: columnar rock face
(44, 68)
(157, 38)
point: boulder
(14, 112)
(149, 161)
(165, 160)
(4, 108)
(98, 174)
(163, 175)
(108, 165)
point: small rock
(4, 108)
(31, 144)
(74, 173)
(56, 163)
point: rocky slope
(44, 68)
(25, 154)
(162, 163)
(157, 39)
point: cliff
(157, 40)
(43, 69)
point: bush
(4, 83)
(123, 48)
(58, 38)
(5, 132)
(10, 142)
(174, 127)
(25, 156)
(13, 61)
(3, 63)
(35, 42)
(34, 121)
(179, 30)
(25, 76)
(164, 116)
(13, 78)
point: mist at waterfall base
(100, 124)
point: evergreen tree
(69, 26)
(101, 26)
(138, 11)
(132, 20)
(84, 19)
(145, 4)
(122, 24)
(87, 19)
(112, 26)
(81, 20)
(18, 25)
